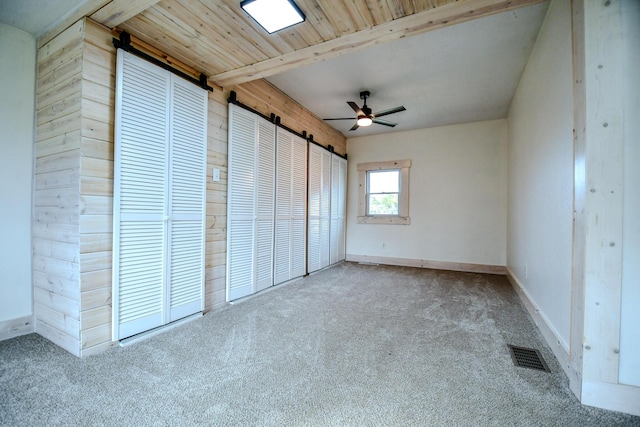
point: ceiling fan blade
(340, 118)
(355, 126)
(385, 123)
(389, 111)
(356, 108)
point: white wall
(630, 314)
(540, 193)
(457, 194)
(17, 77)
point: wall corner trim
(15, 327)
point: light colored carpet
(352, 345)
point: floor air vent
(527, 358)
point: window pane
(384, 181)
(383, 204)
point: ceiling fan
(365, 117)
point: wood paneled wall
(56, 212)
(96, 188)
(216, 232)
(73, 214)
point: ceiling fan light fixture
(273, 15)
(364, 121)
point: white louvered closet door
(187, 195)
(299, 208)
(265, 171)
(342, 210)
(140, 178)
(250, 204)
(319, 204)
(335, 192)
(313, 219)
(284, 197)
(291, 199)
(325, 210)
(143, 247)
(338, 207)
(241, 202)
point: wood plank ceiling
(217, 38)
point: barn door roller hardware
(233, 99)
(124, 43)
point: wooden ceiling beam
(118, 11)
(418, 23)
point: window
(384, 192)
(383, 189)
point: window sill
(384, 219)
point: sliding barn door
(241, 203)
(140, 176)
(299, 209)
(291, 197)
(250, 215)
(187, 198)
(319, 208)
(159, 197)
(338, 208)
(265, 193)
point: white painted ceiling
(463, 73)
(36, 16)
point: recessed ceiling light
(273, 15)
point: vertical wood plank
(579, 229)
(598, 203)
(604, 147)
(96, 187)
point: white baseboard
(615, 397)
(96, 349)
(558, 346)
(15, 327)
(421, 263)
(59, 338)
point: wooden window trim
(403, 204)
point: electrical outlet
(384, 245)
(526, 272)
